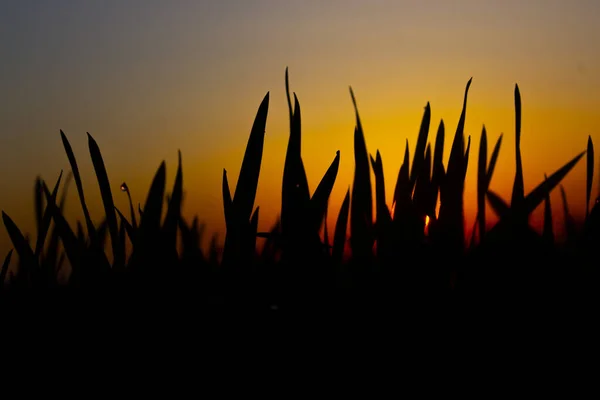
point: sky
(147, 78)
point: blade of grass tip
(227, 202)
(518, 194)
(78, 183)
(537, 195)
(38, 202)
(247, 184)
(154, 202)
(548, 230)
(589, 176)
(481, 183)
(46, 219)
(500, 207)
(5, 266)
(174, 207)
(418, 157)
(320, 198)
(341, 226)
(106, 194)
(493, 159)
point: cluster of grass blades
(411, 254)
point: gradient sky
(149, 77)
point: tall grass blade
(518, 196)
(150, 222)
(106, 194)
(493, 160)
(78, 183)
(247, 184)
(361, 211)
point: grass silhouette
(408, 259)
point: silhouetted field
(406, 263)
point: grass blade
(537, 195)
(106, 193)
(482, 182)
(320, 198)
(493, 159)
(589, 176)
(247, 184)
(78, 183)
(518, 195)
(361, 211)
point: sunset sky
(149, 77)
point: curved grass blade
(438, 174)
(106, 193)
(320, 198)
(518, 195)
(457, 152)
(361, 209)
(568, 219)
(589, 175)
(383, 213)
(247, 184)
(75, 170)
(537, 195)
